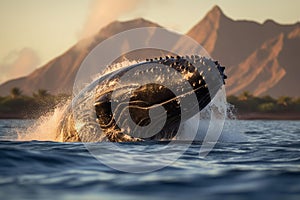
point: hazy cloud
(18, 63)
(103, 12)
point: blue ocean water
(265, 166)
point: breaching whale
(130, 93)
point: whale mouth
(135, 102)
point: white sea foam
(45, 128)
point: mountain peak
(216, 9)
(119, 26)
(206, 31)
(139, 21)
(215, 15)
(270, 22)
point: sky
(35, 31)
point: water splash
(231, 112)
(45, 128)
(220, 110)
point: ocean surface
(264, 166)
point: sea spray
(45, 127)
(222, 112)
(231, 112)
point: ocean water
(264, 166)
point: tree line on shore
(16, 104)
(248, 103)
(19, 105)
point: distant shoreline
(240, 116)
(268, 116)
(14, 116)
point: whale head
(132, 102)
